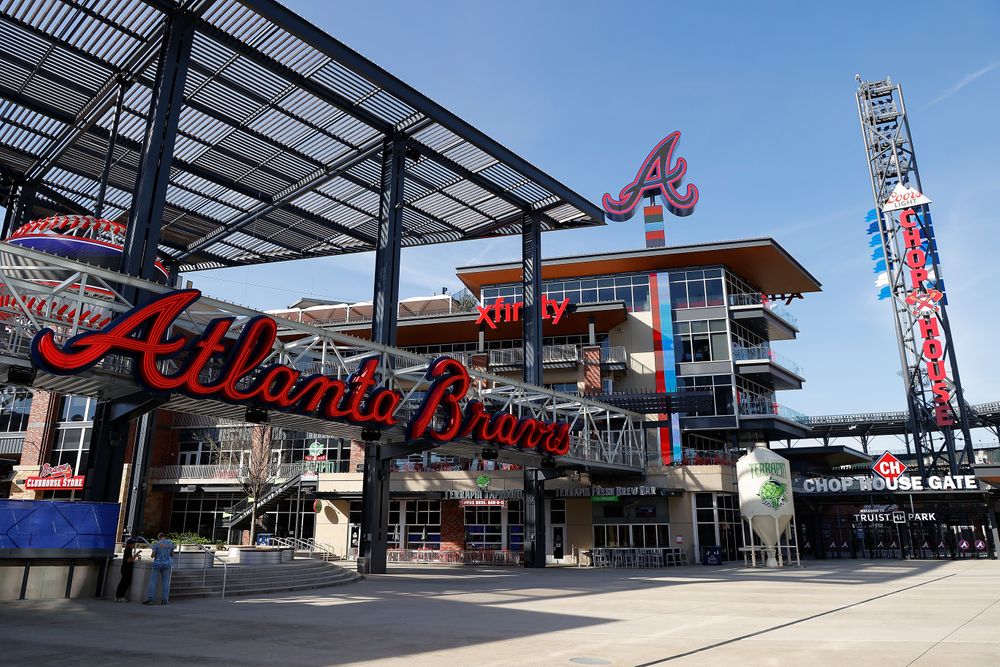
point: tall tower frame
(938, 413)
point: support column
(109, 158)
(531, 328)
(531, 313)
(145, 220)
(385, 310)
(534, 518)
(142, 238)
(135, 505)
(23, 207)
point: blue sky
(763, 94)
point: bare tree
(248, 447)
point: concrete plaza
(827, 613)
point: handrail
(300, 544)
(204, 568)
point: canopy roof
(281, 137)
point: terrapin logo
(483, 482)
(773, 494)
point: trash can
(264, 539)
(711, 555)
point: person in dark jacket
(128, 564)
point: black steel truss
(279, 145)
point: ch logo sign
(888, 467)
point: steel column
(112, 140)
(385, 310)
(135, 505)
(142, 237)
(534, 518)
(531, 312)
(385, 298)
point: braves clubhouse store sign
(143, 334)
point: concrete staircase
(299, 575)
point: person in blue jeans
(163, 549)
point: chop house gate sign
(144, 335)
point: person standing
(163, 549)
(128, 565)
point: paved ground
(833, 613)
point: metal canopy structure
(282, 137)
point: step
(274, 581)
(236, 575)
(301, 586)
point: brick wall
(452, 525)
(37, 442)
(357, 456)
(591, 370)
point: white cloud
(963, 82)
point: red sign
(926, 308)
(55, 478)
(658, 175)
(142, 334)
(321, 457)
(482, 502)
(888, 467)
(501, 311)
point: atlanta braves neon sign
(143, 334)
(658, 175)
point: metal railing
(615, 354)
(551, 354)
(325, 551)
(765, 353)
(209, 557)
(744, 299)
(762, 406)
(282, 471)
(456, 556)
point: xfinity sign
(888, 467)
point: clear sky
(763, 94)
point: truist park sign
(143, 334)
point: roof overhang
(762, 261)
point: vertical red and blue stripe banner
(668, 437)
(655, 234)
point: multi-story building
(628, 328)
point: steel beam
(135, 503)
(142, 236)
(110, 157)
(347, 57)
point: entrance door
(557, 538)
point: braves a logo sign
(660, 175)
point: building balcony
(758, 360)
(554, 356)
(614, 358)
(771, 320)
(776, 420)
(230, 474)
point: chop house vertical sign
(143, 334)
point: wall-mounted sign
(143, 334)
(503, 311)
(469, 494)
(585, 491)
(482, 502)
(658, 175)
(888, 467)
(55, 478)
(904, 197)
(906, 483)
(932, 350)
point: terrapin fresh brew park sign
(144, 334)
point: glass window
(15, 406)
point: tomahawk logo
(922, 303)
(904, 197)
(888, 467)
